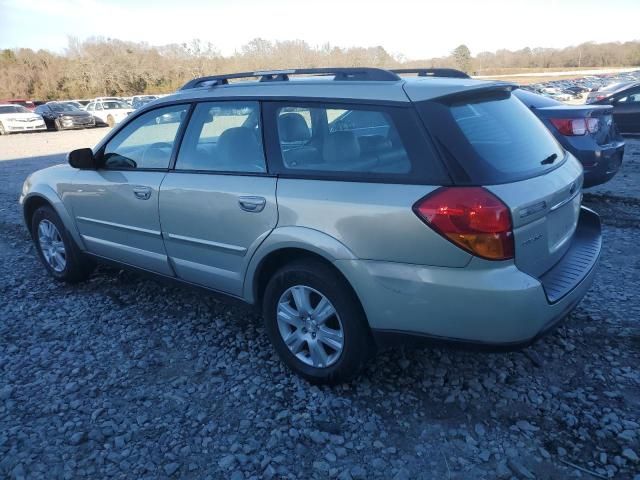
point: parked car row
(20, 115)
(621, 92)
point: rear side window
(492, 139)
(223, 137)
(352, 142)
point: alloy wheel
(310, 326)
(52, 246)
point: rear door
(490, 138)
(218, 204)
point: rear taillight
(576, 126)
(470, 217)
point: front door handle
(252, 204)
(142, 193)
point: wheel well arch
(31, 204)
(281, 257)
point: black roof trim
(433, 72)
(339, 74)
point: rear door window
(354, 142)
(491, 139)
(223, 137)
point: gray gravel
(124, 377)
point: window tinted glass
(13, 109)
(223, 137)
(358, 140)
(147, 141)
(492, 139)
(531, 99)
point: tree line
(105, 67)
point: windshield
(492, 139)
(63, 107)
(13, 109)
(113, 105)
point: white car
(110, 112)
(16, 118)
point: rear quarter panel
(375, 221)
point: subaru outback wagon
(354, 207)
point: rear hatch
(489, 138)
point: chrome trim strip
(125, 248)
(119, 225)
(531, 209)
(208, 243)
(565, 201)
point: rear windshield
(490, 139)
(534, 100)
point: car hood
(73, 114)
(21, 116)
(116, 110)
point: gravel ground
(125, 377)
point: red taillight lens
(570, 126)
(576, 126)
(472, 218)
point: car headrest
(292, 127)
(340, 147)
(239, 146)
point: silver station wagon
(353, 207)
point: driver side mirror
(82, 158)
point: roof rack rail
(433, 72)
(339, 74)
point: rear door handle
(142, 193)
(252, 204)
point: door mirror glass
(82, 158)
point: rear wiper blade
(550, 159)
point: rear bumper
(600, 164)
(492, 306)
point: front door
(116, 206)
(218, 204)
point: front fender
(47, 193)
(301, 238)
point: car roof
(404, 90)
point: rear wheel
(58, 252)
(315, 323)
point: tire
(76, 266)
(321, 281)
(2, 130)
(110, 121)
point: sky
(415, 29)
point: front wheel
(315, 323)
(58, 252)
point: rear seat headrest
(292, 127)
(340, 147)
